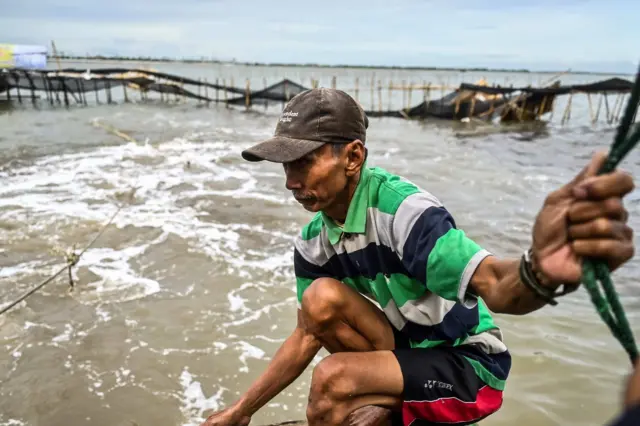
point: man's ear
(356, 154)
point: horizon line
(142, 58)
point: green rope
(593, 271)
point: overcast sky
(590, 35)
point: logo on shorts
(435, 384)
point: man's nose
(292, 180)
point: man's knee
(331, 388)
(323, 300)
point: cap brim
(280, 149)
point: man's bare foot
(369, 416)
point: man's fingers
(601, 228)
(615, 252)
(591, 169)
(584, 211)
(615, 184)
(597, 161)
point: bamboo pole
(206, 90)
(47, 84)
(226, 97)
(473, 105)
(599, 106)
(33, 88)
(427, 98)
(247, 94)
(614, 113)
(333, 82)
(543, 105)
(81, 93)
(231, 83)
(606, 106)
(17, 77)
(379, 96)
(620, 105)
(55, 53)
(373, 78)
(567, 110)
(199, 90)
(286, 92)
(591, 114)
(522, 109)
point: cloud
(535, 34)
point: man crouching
(401, 297)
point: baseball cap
(309, 120)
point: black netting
(468, 100)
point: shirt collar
(356, 221)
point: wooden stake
(567, 110)
(606, 106)
(226, 97)
(17, 77)
(373, 77)
(599, 106)
(206, 90)
(379, 95)
(427, 98)
(108, 92)
(247, 95)
(404, 93)
(473, 104)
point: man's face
(319, 178)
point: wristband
(531, 279)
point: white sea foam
(61, 190)
(193, 401)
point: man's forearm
(288, 363)
(503, 291)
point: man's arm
(497, 282)
(583, 219)
(288, 363)
(290, 360)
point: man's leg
(345, 382)
(430, 385)
(366, 369)
(344, 320)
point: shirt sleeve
(630, 417)
(307, 268)
(433, 250)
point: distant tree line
(204, 59)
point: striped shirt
(400, 248)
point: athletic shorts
(449, 385)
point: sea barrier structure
(478, 101)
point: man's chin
(312, 205)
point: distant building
(23, 56)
